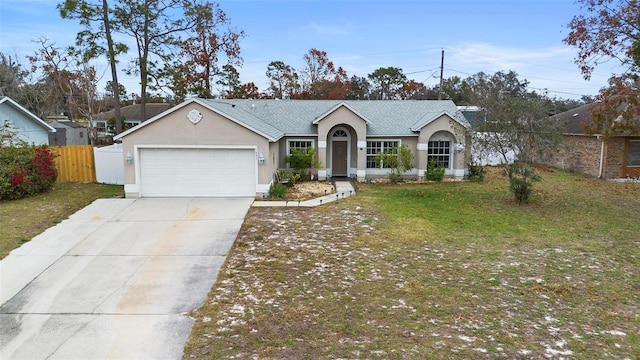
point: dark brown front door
(339, 158)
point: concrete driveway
(116, 280)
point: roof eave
(201, 103)
(39, 121)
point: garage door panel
(197, 172)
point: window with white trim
(439, 149)
(298, 144)
(378, 146)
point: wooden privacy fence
(75, 163)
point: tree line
(186, 48)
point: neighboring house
(132, 115)
(477, 117)
(28, 126)
(68, 133)
(234, 147)
(617, 157)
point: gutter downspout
(601, 157)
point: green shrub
(277, 190)
(301, 161)
(291, 177)
(25, 171)
(398, 160)
(434, 171)
(521, 180)
(476, 171)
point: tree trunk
(112, 62)
(143, 65)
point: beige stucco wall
(213, 129)
(357, 128)
(458, 133)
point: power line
(494, 58)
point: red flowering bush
(26, 170)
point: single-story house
(617, 157)
(132, 115)
(206, 147)
(68, 133)
(28, 126)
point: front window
(439, 150)
(375, 147)
(293, 145)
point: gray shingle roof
(134, 112)
(574, 120)
(475, 117)
(296, 117)
(67, 123)
(277, 118)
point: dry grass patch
(22, 219)
(416, 271)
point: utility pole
(441, 74)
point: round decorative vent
(194, 116)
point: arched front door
(339, 152)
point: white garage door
(169, 172)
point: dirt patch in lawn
(309, 190)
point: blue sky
(361, 36)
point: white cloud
(330, 29)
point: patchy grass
(22, 219)
(443, 270)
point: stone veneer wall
(582, 154)
(575, 153)
(615, 158)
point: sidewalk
(343, 190)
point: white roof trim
(183, 104)
(28, 113)
(319, 118)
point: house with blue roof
(226, 148)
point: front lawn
(22, 219)
(442, 270)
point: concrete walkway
(343, 190)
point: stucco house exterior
(617, 157)
(205, 147)
(28, 126)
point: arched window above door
(340, 133)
